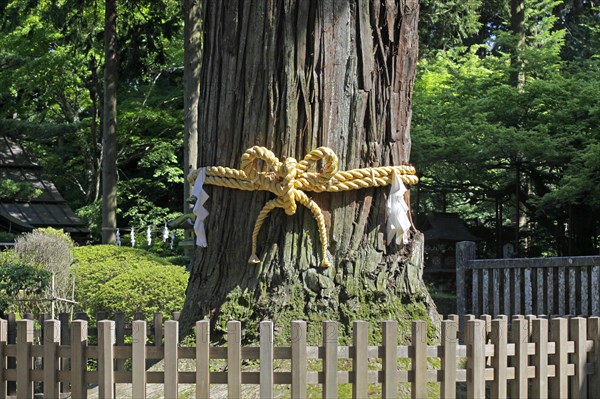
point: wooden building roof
(447, 227)
(49, 209)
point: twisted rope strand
(289, 179)
(274, 203)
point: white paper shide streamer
(149, 236)
(132, 237)
(398, 222)
(165, 233)
(199, 210)
(118, 238)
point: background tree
(109, 126)
(293, 76)
(192, 55)
(517, 26)
(471, 127)
(49, 69)
(51, 64)
(474, 128)
(446, 24)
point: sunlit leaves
(18, 277)
(473, 130)
(12, 190)
(51, 57)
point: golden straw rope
(289, 179)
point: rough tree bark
(192, 48)
(517, 25)
(109, 126)
(293, 75)
(91, 150)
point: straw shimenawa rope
(289, 179)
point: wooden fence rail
(123, 325)
(528, 357)
(543, 286)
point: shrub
(95, 265)
(105, 271)
(53, 250)
(19, 280)
(56, 233)
(94, 255)
(146, 289)
(48, 247)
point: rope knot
(287, 174)
(290, 179)
(280, 179)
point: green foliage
(11, 190)
(51, 57)
(126, 271)
(141, 214)
(146, 289)
(19, 279)
(443, 24)
(473, 131)
(581, 21)
(95, 265)
(91, 214)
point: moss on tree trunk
(293, 76)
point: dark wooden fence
(542, 286)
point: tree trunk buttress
(292, 76)
(109, 126)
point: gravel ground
(186, 391)
(155, 391)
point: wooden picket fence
(495, 358)
(155, 333)
(559, 286)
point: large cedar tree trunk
(293, 75)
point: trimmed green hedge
(111, 278)
(146, 289)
